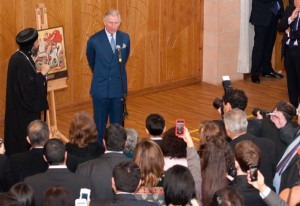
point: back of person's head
(287, 109)
(155, 124)
(82, 130)
(131, 141)
(179, 186)
(23, 193)
(8, 199)
(115, 137)
(58, 196)
(127, 176)
(247, 154)
(149, 157)
(210, 129)
(38, 132)
(173, 146)
(237, 99)
(217, 161)
(54, 151)
(236, 121)
(228, 196)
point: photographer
(235, 98)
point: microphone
(118, 48)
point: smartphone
(85, 193)
(179, 130)
(0, 141)
(253, 173)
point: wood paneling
(166, 41)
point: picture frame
(52, 52)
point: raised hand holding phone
(179, 130)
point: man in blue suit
(107, 53)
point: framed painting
(52, 52)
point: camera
(263, 112)
(179, 130)
(227, 86)
(0, 141)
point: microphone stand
(125, 112)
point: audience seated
(100, 169)
(179, 187)
(125, 180)
(83, 145)
(269, 197)
(57, 174)
(217, 161)
(58, 196)
(155, 127)
(149, 157)
(228, 196)
(236, 127)
(174, 149)
(6, 178)
(31, 162)
(23, 193)
(131, 141)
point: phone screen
(179, 128)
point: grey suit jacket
(274, 200)
(100, 172)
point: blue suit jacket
(106, 82)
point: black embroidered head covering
(26, 38)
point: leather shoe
(273, 75)
(255, 80)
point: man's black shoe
(273, 75)
(255, 80)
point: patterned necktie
(112, 43)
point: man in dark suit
(107, 53)
(31, 162)
(291, 50)
(264, 16)
(100, 169)
(6, 179)
(155, 127)
(57, 174)
(126, 179)
(236, 129)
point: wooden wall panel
(166, 41)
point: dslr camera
(227, 86)
(263, 112)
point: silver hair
(236, 121)
(112, 12)
(131, 141)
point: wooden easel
(42, 23)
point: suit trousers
(264, 41)
(104, 108)
(292, 66)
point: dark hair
(228, 196)
(54, 151)
(82, 130)
(38, 132)
(115, 137)
(23, 193)
(150, 159)
(237, 98)
(179, 185)
(8, 199)
(127, 176)
(217, 158)
(247, 154)
(155, 124)
(173, 146)
(287, 109)
(58, 196)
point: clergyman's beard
(34, 51)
